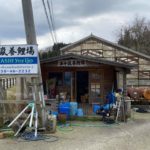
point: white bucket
(51, 123)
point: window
(95, 77)
(95, 90)
(95, 87)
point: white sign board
(18, 59)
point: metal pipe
(36, 124)
(31, 119)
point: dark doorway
(82, 86)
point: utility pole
(31, 39)
(29, 22)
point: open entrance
(82, 86)
(59, 83)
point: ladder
(120, 104)
(33, 116)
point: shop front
(81, 79)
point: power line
(48, 21)
(52, 13)
(53, 19)
(50, 8)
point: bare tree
(136, 35)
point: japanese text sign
(18, 59)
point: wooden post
(124, 95)
(3, 80)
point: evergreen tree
(54, 52)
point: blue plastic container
(64, 104)
(55, 113)
(64, 108)
(73, 108)
(107, 106)
(96, 108)
(80, 112)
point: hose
(92, 125)
(30, 136)
(69, 126)
(65, 127)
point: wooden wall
(107, 77)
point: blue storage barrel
(96, 107)
(73, 108)
(80, 112)
(64, 108)
(64, 104)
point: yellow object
(118, 95)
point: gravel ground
(133, 135)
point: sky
(74, 19)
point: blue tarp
(111, 99)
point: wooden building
(97, 47)
(82, 78)
(91, 67)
